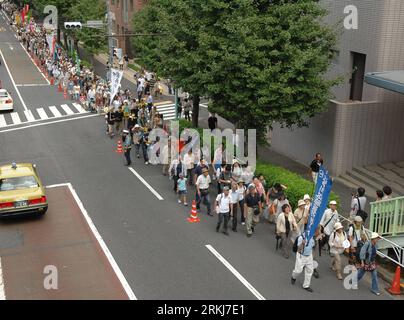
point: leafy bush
(297, 185)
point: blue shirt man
(304, 260)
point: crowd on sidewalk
(241, 197)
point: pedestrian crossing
(40, 114)
(168, 111)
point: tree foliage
(257, 61)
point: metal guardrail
(398, 250)
(387, 217)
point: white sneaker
(243, 223)
(147, 162)
(179, 201)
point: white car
(6, 102)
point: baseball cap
(375, 235)
(358, 219)
(338, 226)
(333, 202)
(226, 188)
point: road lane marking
(158, 196)
(67, 109)
(29, 115)
(79, 108)
(2, 291)
(55, 111)
(33, 85)
(108, 254)
(12, 81)
(30, 125)
(42, 113)
(235, 273)
(162, 103)
(3, 122)
(15, 117)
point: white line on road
(236, 273)
(33, 85)
(42, 113)
(29, 125)
(15, 117)
(79, 108)
(2, 291)
(67, 109)
(3, 122)
(108, 254)
(55, 111)
(29, 115)
(158, 196)
(12, 81)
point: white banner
(116, 77)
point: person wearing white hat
(327, 222)
(301, 215)
(356, 237)
(367, 256)
(338, 244)
(127, 146)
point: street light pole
(110, 40)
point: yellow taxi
(21, 190)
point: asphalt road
(161, 255)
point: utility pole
(110, 40)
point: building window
(125, 11)
(358, 75)
(131, 5)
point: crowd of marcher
(241, 197)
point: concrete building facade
(363, 124)
(122, 14)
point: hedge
(297, 186)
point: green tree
(257, 61)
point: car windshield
(18, 183)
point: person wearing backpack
(358, 205)
(223, 208)
(304, 260)
(337, 247)
(355, 236)
(367, 256)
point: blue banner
(319, 203)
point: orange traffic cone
(119, 147)
(395, 285)
(65, 94)
(52, 81)
(194, 214)
(60, 89)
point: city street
(140, 245)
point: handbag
(370, 266)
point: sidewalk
(129, 74)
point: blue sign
(319, 204)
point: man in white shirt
(202, 190)
(223, 208)
(328, 221)
(189, 161)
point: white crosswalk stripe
(168, 111)
(40, 114)
(3, 122)
(16, 118)
(67, 109)
(79, 108)
(55, 112)
(29, 115)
